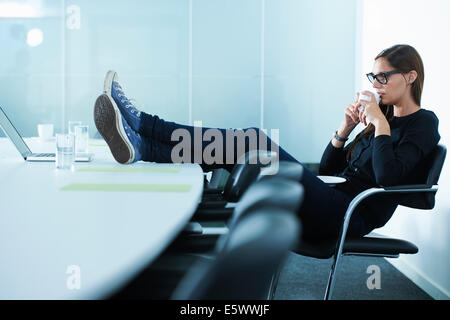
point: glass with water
(65, 151)
(81, 139)
(73, 125)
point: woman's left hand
(371, 112)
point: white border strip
(263, 14)
(190, 64)
(63, 66)
(359, 26)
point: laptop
(22, 147)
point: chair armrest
(212, 204)
(212, 197)
(394, 189)
(413, 188)
(212, 191)
(192, 228)
(370, 192)
(219, 214)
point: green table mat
(141, 170)
(97, 143)
(127, 187)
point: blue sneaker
(126, 145)
(129, 111)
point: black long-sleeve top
(384, 161)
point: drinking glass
(81, 139)
(72, 125)
(65, 151)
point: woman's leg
(211, 147)
(161, 139)
(323, 209)
(157, 140)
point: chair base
(373, 246)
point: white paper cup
(367, 98)
(45, 131)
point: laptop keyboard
(44, 155)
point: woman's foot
(126, 145)
(129, 111)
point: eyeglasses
(382, 77)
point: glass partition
(227, 63)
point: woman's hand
(351, 119)
(371, 112)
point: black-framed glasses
(382, 77)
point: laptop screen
(12, 133)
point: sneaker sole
(109, 125)
(107, 85)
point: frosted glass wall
(277, 64)
(31, 78)
(309, 71)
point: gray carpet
(305, 278)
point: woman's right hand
(351, 118)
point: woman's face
(396, 87)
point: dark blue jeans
(323, 207)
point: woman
(390, 151)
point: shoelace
(126, 101)
(137, 143)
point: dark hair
(403, 58)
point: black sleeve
(333, 160)
(393, 164)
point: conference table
(84, 233)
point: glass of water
(81, 139)
(72, 125)
(65, 151)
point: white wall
(426, 26)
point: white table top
(110, 236)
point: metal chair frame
(350, 210)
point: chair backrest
(258, 246)
(276, 192)
(285, 169)
(433, 167)
(218, 180)
(436, 162)
(245, 172)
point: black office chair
(256, 248)
(420, 196)
(283, 169)
(244, 173)
(217, 181)
(276, 192)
